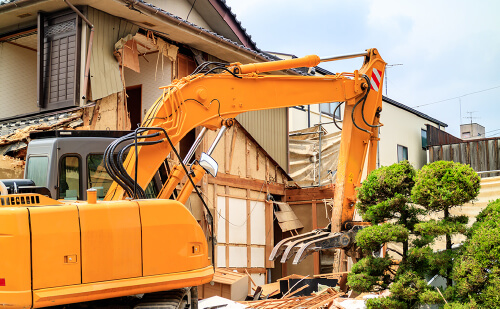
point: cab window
(69, 178)
(37, 170)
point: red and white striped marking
(375, 79)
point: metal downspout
(89, 49)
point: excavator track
(173, 299)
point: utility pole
(386, 67)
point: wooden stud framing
(269, 233)
(226, 216)
(314, 214)
(249, 240)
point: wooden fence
(482, 155)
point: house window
(423, 134)
(329, 109)
(402, 153)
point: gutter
(17, 4)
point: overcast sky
(447, 48)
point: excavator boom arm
(210, 99)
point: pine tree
(384, 200)
(440, 186)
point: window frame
(48, 167)
(403, 148)
(422, 132)
(331, 109)
(80, 174)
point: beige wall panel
(259, 279)
(195, 206)
(261, 172)
(218, 153)
(107, 119)
(257, 258)
(17, 80)
(221, 190)
(238, 153)
(257, 224)
(220, 218)
(237, 256)
(259, 195)
(269, 129)
(221, 256)
(238, 192)
(252, 160)
(237, 222)
(153, 76)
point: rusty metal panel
(269, 128)
(447, 153)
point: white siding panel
(221, 219)
(258, 223)
(258, 256)
(17, 80)
(237, 256)
(237, 221)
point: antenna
(471, 117)
(387, 66)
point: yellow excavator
(135, 252)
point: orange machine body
(57, 253)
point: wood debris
(323, 299)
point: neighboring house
(402, 136)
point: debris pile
(323, 299)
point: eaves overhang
(144, 15)
(413, 111)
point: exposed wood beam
(252, 184)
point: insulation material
(257, 258)
(127, 54)
(257, 223)
(304, 157)
(221, 256)
(259, 279)
(287, 219)
(221, 222)
(237, 256)
(237, 221)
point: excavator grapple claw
(303, 245)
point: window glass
(99, 179)
(69, 178)
(424, 138)
(37, 170)
(329, 108)
(402, 153)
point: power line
(457, 97)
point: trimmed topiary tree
(476, 269)
(384, 200)
(440, 186)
